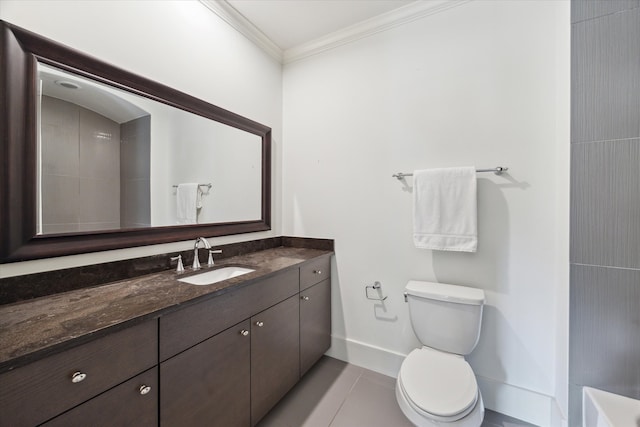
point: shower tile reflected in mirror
(135, 169)
(80, 156)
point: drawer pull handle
(78, 377)
(305, 298)
(317, 271)
(259, 324)
(244, 332)
(144, 389)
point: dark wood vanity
(223, 358)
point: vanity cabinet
(223, 361)
(37, 392)
(228, 360)
(235, 377)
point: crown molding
(386, 21)
(244, 26)
(377, 24)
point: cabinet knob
(77, 377)
(317, 271)
(144, 389)
(304, 298)
(244, 332)
(259, 324)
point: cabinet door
(209, 384)
(315, 324)
(132, 403)
(275, 355)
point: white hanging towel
(187, 203)
(445, 209)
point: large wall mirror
(97, 158)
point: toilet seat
(438, 385)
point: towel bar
(497, 170)
(199, 185)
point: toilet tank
(445, 317)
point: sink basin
(217, 275)
(604, 409)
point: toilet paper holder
(376, 286)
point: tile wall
(80, 160)
(604, 348)
(135, 173)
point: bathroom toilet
(436, 386)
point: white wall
(479, 85)
(180, 44)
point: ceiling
(290, 30)
(292, 23)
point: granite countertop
(34, 328)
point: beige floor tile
(371, 403)
(317, 398)
(336, 394)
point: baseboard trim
(366, 355)
(523, 404)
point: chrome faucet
(196, 261)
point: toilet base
(472, 419)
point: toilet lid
(439, 383)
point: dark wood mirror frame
(20, 51)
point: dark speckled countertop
(34, 328)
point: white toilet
(436, 386)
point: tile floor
(336, 394)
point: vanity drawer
(34, 393)
(134, 402)
(315, 271)
(191, 325)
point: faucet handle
(210, 262)
(180, 267)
